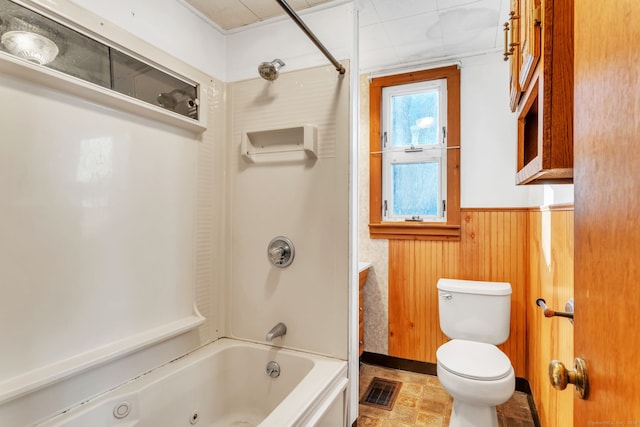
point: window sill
(414, 231)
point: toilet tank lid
(474, 287)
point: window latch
(413, 149)
(414, 218)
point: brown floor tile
(408, 401)
(435, 407)
(423, 403)
(413, 388)
(427, 419)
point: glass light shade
(30, 46)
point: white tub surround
(304, 198)
(222, 384)
(107, 253)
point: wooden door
(607, 209)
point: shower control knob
(560, 376)
(281, 251)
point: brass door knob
(560, 376)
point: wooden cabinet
(362, 279)
(522, 45)
(542, 64)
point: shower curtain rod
(309, 33)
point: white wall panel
(306, 201)
(97, 216)
(487, 132)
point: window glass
(416, 189)
(414, 119)
(136, 79)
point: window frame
(441, 230)
(396, 153)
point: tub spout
(277, 331)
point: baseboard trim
(398, 363)
(428, 368)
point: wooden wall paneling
(493, 246)
(414, 330)
(534, 320)
(515, 262)
(562, 255)
(401, 300)
(534, 291)
(495, 241)
(539, 328)
(551, 278)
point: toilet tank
(474, 310)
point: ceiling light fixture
(30, 46)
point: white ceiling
(392, 32)
(233, 14)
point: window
(415, 157)
(414, 151)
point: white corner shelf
(297, 143)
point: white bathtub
(220, 385)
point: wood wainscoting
(493, 246)
(550, 278)
(532, 249)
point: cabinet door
(530, 40)
(512, 53)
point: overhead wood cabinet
(539, 46)
(522, 45)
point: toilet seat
(474, 360)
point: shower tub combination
(225, 383)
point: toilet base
(466, 415)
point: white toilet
(475, 316)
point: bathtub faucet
(277, 331)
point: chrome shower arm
(309, 33)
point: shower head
(269, 70)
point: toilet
(475, 316)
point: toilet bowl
(475, 316)
(479, 377)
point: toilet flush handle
(445, 295)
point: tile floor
(423, 402)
